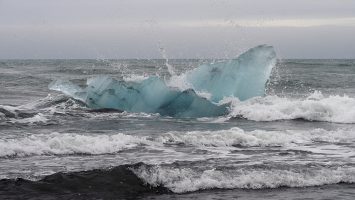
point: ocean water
(296, 142)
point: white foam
(124, 114)
(67, 143)
(221, 142)
(316, 107)
(238, 137)
(233, 136)
(180, 180)
(38, 118)
(15, 110)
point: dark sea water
(296, 142)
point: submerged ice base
(243, 78)
(150, 96)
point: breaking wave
(181, 180)
(67, 143)
(70, 143)
(316, 107)
(257, 138)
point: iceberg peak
(244, 77)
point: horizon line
(98, 59)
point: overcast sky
(181, 28)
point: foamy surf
(66, 143)
(316, 107)
(222, 142)
(182, 180)
(257, 138)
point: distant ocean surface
(296, 142)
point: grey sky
(184, 28)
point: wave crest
(66, 143)
(181, 180)
(316, 107)
(230, 139)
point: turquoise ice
(150, 96)
(243, 78)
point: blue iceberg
(243, 78)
